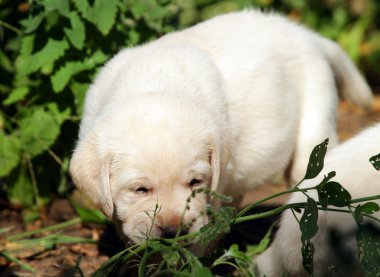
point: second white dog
(355, 173)
(227, 104)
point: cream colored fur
(229, 102)
(354, 172)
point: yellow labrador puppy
(225, 104)
(354, 172)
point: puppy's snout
(171, 231)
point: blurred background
(51, 50)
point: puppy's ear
(219, 157)
(90, 174)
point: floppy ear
(219, 157)
(90, 174)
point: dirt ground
(61, 260)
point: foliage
(157, 257)
(50, 56)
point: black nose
(171, 232)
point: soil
(61, 260)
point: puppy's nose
(170, 232)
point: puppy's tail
(350, 82)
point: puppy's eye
(195, 182)
(141, 190)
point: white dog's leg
(318, 106)
(318, 115)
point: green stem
(10, 27)
(55, 157)
(275, 211)
(250, 207)
(301, 205)
(169, 272)
(295, 216)
(17, 261)
(132, 251)
(42, 230)
(34, 182)
(144, 259)
(363, 199)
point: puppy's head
(140, 163)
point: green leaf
(62, 77)
(172, 258)
(333, 194)
(5, 62)
(27, 43)
(220, 224)
(31, 214)
(375, 161)
(21, 191)
(370, 207)
(369, 250)
(90, 215)
(316, 160)
(308, 222)
(79, 92)
(358, 214)
(76, 34)
(323, 200)
(9, 153)
(52, 51)
(59, 116)
(263, 245)
(200, 271)
(16, 95)
(62, 6)
(102, 14)
(32, 22)
(38, 132)
(307, 251)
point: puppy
(354, 172)
(225, 104)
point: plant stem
(169, 272)
(49, 228)
(10, 27)
(17, 261)
(55, 157)
(250, 207)
(363, 199)
(34, 181)
(301, 205)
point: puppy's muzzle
(170, 232)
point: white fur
(354, 172)
(246, 92)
